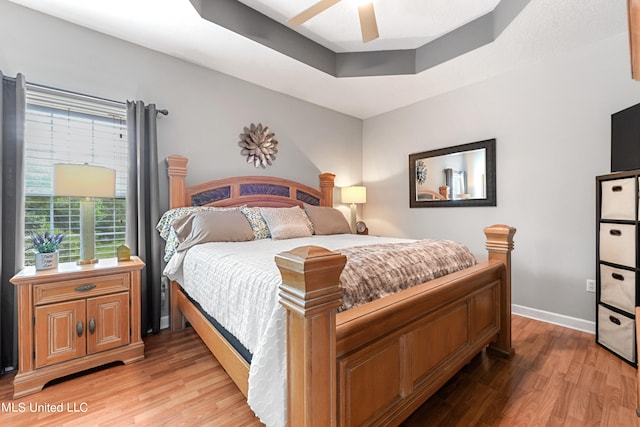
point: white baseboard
(555, 318)
(164, 322)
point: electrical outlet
(591, 285)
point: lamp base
(87, 232)
(354, 210)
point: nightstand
(75, 318)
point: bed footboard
(311, 293)
(377, 363)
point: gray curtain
(12, 116)
(143, 208)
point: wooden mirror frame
(489, 145)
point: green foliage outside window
(62, 215)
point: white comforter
(237, 284)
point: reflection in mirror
(453, 176)
(463, 175)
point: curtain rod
(55, 89)
(164, 112)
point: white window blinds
(63, 127)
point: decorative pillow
(165, 225)
(257, 222)
(307, 221)
(286, 223)
(327, 220)
(212, 226)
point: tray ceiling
(403, 24)
(541, 30)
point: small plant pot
(46, 261)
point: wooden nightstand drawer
(80, 288)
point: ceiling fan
(368, 24)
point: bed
(373, 364)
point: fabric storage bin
(617, 332)
(618, 244)
(618, 287)
(618, 198)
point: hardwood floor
(178, 383)
(558, 377)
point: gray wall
(552, 125)
(207, 109)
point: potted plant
(46, 248)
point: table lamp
(85, 181)
(354, 194)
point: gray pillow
(212, 226)
(327, 220)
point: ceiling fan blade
(317, 8)
(368, 23)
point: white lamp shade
(83, 181)
(354, 194)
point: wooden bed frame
(374, 364)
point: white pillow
(286, 223)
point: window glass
(64, 127)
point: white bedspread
(237, 284)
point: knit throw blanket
(374, 271)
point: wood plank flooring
(558, 377)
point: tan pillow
(327, 220)
(212, 226)
(286, 223)
(167, 232)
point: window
(63, 127)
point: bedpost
(499, 245)
(176, 318)
(326, 187)
(311, 293)
(177, 171)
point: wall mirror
(463, 175)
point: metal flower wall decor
(421, 172)
(259, 145)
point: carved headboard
(263, 191)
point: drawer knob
(616, 188)
(618, 276)
(85, 288)
(615, 232)
(614, 320)
(79, 328)
(92, 325)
